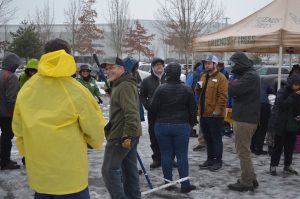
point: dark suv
(270, 75)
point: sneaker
(155, 164)
(255, 183)
(240, 187)
(10, 166)
(215, 167)
(187, 189)
(199, 148)
(273, 170)
(206, 164)
(289, 170)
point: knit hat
(32, 63)
(129, 63)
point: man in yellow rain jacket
(55, 118)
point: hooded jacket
(90, 84)
(150, 83)
(245, 91)
(9, 84)
(124, 116)
(286, 102)
(55, 118)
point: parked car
(145, 67)
(270, 75)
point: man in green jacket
(89, 82)
(119, 170)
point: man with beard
(148, 86)
(212, 90)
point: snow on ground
(210, 185)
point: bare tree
(44, 20)
(118, 22)
(185, 20)
(72, 14)
(6, 13)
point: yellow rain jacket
(54, 119)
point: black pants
(286, 142)
(153, 141)
(258, 138)
(212, 132)
(6, 137)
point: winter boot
(216, 166)
(206, 165)
(255, 183)
(155, 164)
(187, 189)
(289, 170)
(273, 170)
(240, 187)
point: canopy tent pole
(279, 67)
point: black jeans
(286, 142)
(258, 138)
(6, 137)
(212, 132)
(153, 141)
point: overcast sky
(141, 9)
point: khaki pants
(243, 135)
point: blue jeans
(212, 132)
(120, 172)
(80, 195)
(174, 138)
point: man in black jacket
(245, 92)
(9, 87)
(148, 86)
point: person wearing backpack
(9, 87)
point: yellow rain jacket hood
(55, 118)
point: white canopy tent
(272, 29)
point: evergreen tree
(137, 40)
(26, 42)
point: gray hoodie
(9, 84)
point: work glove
(126, 142)
(108, 91)
(215, 114)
